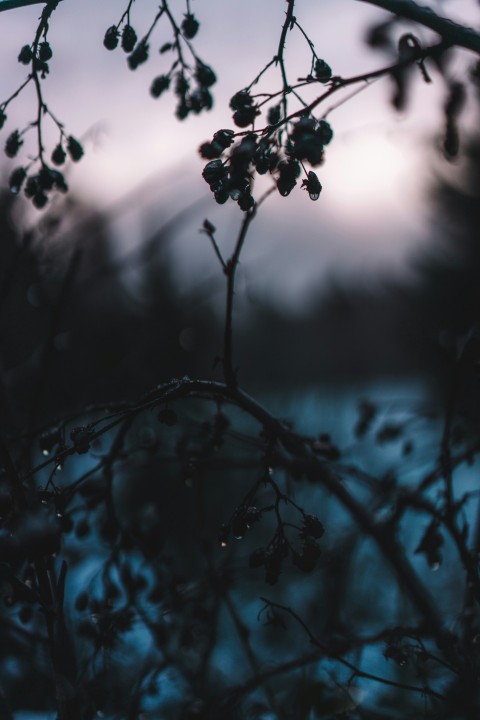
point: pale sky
(372, 210)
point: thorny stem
(17, 92)
(126, 14)
(289, 21)
(262, 72)
(210, 232)
(155, 21)
(42, 29)
(230, 270)
(339, 83)
(176, 32)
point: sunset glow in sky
(376, 172)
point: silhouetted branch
(453, 33)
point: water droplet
(45, 452)
(238, 537)
(270, 470)
(223, 543)
(59, 515)
(435, 566)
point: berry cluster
(272, 556)
(263, 152)
(280, 547)
(37, 56)
(37, 185)
(37, 177)
(191, 83)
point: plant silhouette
(170, 547)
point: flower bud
(58, 155)
(75, 150)
(45, 51)
(139, 55)
(129, 38)
(190, 26)
(110, 41)
(13, 144)
(159, 85)
(16, 180)
(25, 55)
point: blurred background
(374, 212)
(370, 294)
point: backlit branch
(453, 33)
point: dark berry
(159, 85)
(245, 116)
(213, 172)
(16, 180)
(205, 75)
(129, 38)
(58, 155)
(210, 151)
(241, 100)
(312, 185)
(31, 187)
(245, 202)
(224, 138)
(323, 71)
(25, 55)
(139, 55)
(190, 26)
(13, 144)
(273, 116)
(40, 200)
(45, 51)
(324, 132)
(110, 40)
(75, 150)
